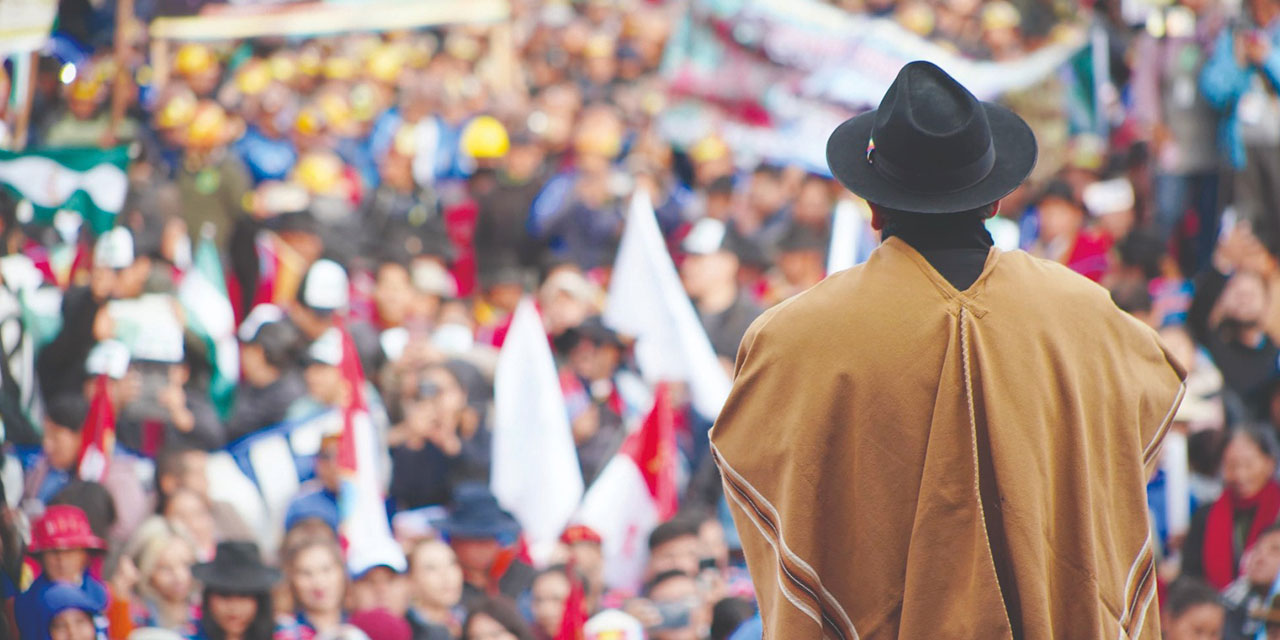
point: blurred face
(813, 204)
(483, 627)
(505, 296)
(436, 575)
(393, 295)
(549, 594)
(1245, 468)
(711, 535)
(523, 161)
(317, 580)
(327, 466)
(1262, 561)
(324, 383)
(72, 624)
(380, 587)
(65, 565)
(1059, 219)
(679, 594)
(232, 613)
(61, 445)
(475, 556)
(450, 401)
(765, 193)
(189, 511)
(195, 473)
(1245, 298)
(702, 274)
(589, 560)
(681, 554)
(171, 576)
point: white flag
(647, 301)
(620, 508)
(849, 236)
(535, 463)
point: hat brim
(478, 532)
(257, 579)
(1015, 150)
(88, 543)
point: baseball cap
(325, 288)
(707, 236)
(612, 624)
(258, 317)
(362, 558)
(109, 357)
(327, 349)
(114, 249)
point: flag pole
(22, 126)
(119, 93)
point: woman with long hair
(237, 594)
(317, 585)
(1223, 531)
(165, 588)
(495, 619)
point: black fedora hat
(236, 568)
(931, 147)
(476, 514)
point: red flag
(653, 448)
(98, 437)
(353, 375)
(575, 609)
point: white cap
(433, 278)
(326, 285)
(263, 314)
(394, 341)
(110, 357)
(706, 237)
(612, 624)
(1109, 196)
(571, 283)
(154, 633)
(327, 348)
(114, 249)
(20, 273)
(160, 341)
(363, 557)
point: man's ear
(877, 219)
(995, 210)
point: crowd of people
(409, 189)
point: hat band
(936, 180)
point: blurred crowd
(410, 188)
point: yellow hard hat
(485, 137)
(310, 62)
(253, 77)
(318, 173)
(1000, 15)
(364, 102)
(283, 68)
(405, 142)
(177, 111)
(310, 121)
(339, 68)
(336, 109)
(385, 62)
(87, 87)
(208, 125)
(708, 149)
(194, 58)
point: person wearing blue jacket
(1242, 81)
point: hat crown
(929, 125)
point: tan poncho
(908, 461)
